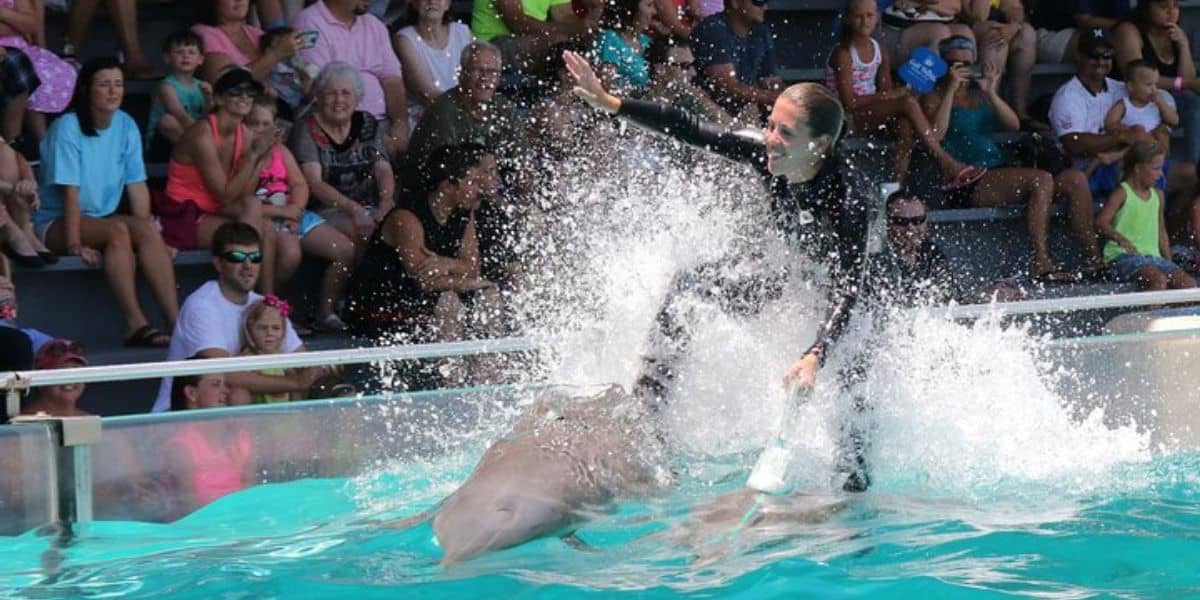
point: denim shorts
(1125, 266)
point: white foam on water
(971, 411)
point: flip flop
(969, 174)
(1055, 277)
(148, 337)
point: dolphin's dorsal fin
(572, 540)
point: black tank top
(1149, 53)
(380, 285)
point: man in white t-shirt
(1078, 110)
(210, 321)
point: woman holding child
(213, 173)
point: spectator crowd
(396, 154)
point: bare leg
(112, 238)
(905, 139)
(884, 113)
(266, 281)
(124, 18)
(287, 257)
(1035, 188)
(1021, 59)
(79, 19)
(328, 243)
(1072, 186)
(1180, 280)
(1150, 278)
(155, 260)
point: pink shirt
(216, 42)
(365, 45)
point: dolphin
(568, 458)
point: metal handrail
(154, 370)
(1053, 305)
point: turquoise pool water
(317, 538)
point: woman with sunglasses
(213, 172)
(966, 111)
(91, 161)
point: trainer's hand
(803, 372)
(588, 86)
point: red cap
(58, 354)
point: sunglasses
(759, 3)
(1102, 55)
(907, 221)
(238, 91)
(237, 256)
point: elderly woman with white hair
(341, 153)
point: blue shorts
(1126, 266)
(308, 222)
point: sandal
(148, 337)
(969, 175)
(1055, 277)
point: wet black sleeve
(849, 206)
(742, 146)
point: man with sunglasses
(210, 322)
(1078, 110)
(735, 56)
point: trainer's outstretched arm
(588, 86)
(741, 146)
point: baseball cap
(234, 77)
(59, 354)
(1092, 40)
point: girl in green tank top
(1132, 220)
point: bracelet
(1179, 83)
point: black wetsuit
(826, 216)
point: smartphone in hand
(308, 38)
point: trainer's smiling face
(791, 148)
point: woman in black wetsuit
(813, 192)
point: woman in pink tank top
(213, 173)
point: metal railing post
(70, 495)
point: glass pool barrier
(69, 471)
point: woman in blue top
(91, 159)
(966, 112)
(621, 45)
